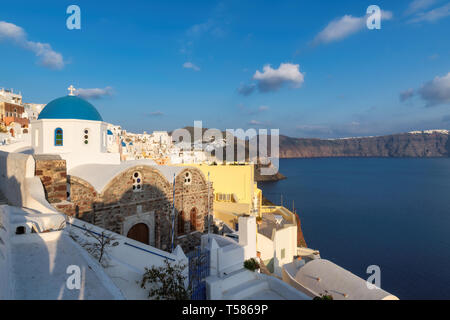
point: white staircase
(246, 285)
(245, 290)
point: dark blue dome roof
(70, 107)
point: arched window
(58, 137)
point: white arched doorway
(143, 223)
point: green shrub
(324, 297)
(166, 282)
(251, 264)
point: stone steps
(245, 290)
(236, 277)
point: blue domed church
(72, 128)
(133, 198)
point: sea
(393, 213)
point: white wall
(265, 247)
(15, 168)
(73, 136)
(6, 281)
(19, 184)
(247, 236)
(73, 150)
(286, 239)
(226, 255)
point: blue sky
(309, 68)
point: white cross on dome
(71, 89)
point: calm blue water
(394, 213)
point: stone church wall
(153, 202)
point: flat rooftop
(270, 222)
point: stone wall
(51, 169)
(118, 201)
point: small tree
(166, 282)
(99, 247)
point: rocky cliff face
(435, 144)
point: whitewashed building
(72, 128)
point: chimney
(247, 235)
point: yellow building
(235, 191)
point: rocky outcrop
(266, 178)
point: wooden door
(193, 219)
(139, 232)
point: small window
(58, 137)
(86, 136)
(187, 178)
(283, 253)
(137, 182)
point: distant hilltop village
(82, 196)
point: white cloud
(434, 56)
(246, 89)
(436, 91)
(344, 27)
(407, 94)
(263, 108)
(47, 56)
(11, 31)
(273, 79)
(340, 28)
(418, 5)
(258, 123)
(190, 65)
(94, 93)
(199, 29)
(432, 15)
